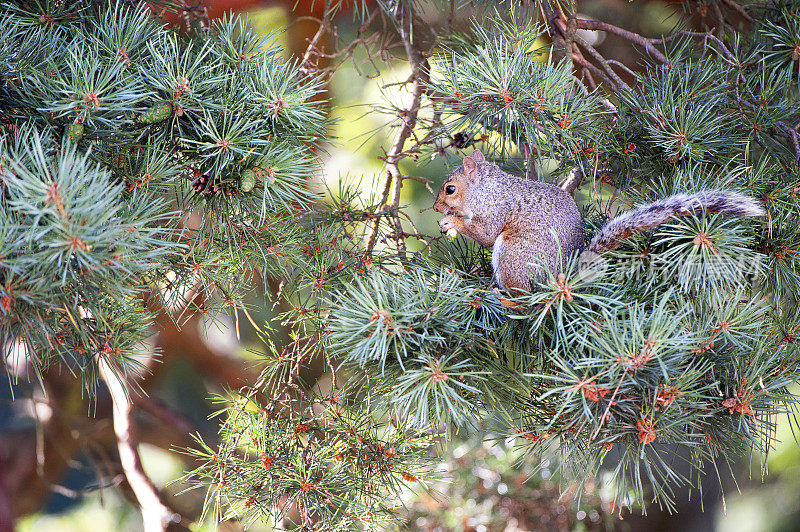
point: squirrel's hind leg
(512, 254)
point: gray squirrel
(519, 218)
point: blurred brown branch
(155, 515)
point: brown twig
(164, 414)
(571, 26)
(706, 36)
(739, 9)
(312, 48)
(791, 134)
(577, 56)
(326, 25)
(600, 59)
(393, 179)
(625, 34)
(622, 66)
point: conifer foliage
(115, 129)
(139, 162)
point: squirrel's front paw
(447, 225)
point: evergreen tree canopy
(150, 169)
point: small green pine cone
(157, 113)
(248, 180)
(75, 131)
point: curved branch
(156, 516)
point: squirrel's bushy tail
(626, 224)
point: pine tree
(139, 162)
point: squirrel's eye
(450, 189)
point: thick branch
(571, 29)
(155, 515)
(561, 32)
(572, 180)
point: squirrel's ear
(470, 169)
(478, 157)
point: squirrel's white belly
(497, 249)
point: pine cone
(201, 183)
(462, 139)
(208, 185)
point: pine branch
(678, 346)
